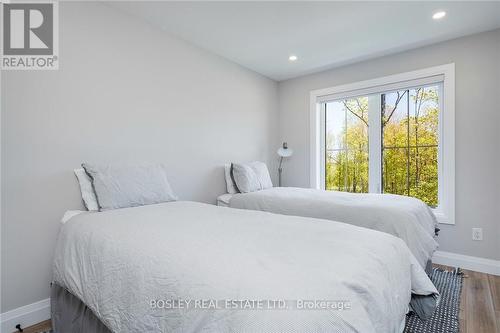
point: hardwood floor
(40, 327)
(479, 305)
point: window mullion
(374, 143)
(346, 169)
(408, 142)
(323, 150)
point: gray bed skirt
(70, 314)
(428, 267)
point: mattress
(122, 264)
(407, 218)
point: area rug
(445, 318)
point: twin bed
(404, 217)
(115, 270)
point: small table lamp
(283, 152)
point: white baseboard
(477, 264)
(25, 315)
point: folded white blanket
(407, 218)
(119, 262)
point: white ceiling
(261, 35)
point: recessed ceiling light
(439, 15)
(293, 58)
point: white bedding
(118, 261)
(407, 218)
(224, 200)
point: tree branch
(361, 108)
(354, 113)
(400, 97)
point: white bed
(407, 218)
(118, 261)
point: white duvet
(117, 262)
(407, 218)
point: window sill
(442, 218)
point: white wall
(477, 60)
(125, 92)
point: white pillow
(121, 186)
(88, 194)
(245, 178)
(262, 173)
(251, 177)
(230, 187)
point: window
(346, 145)
(388, 135)
(410, 121)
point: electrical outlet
(477, 234)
